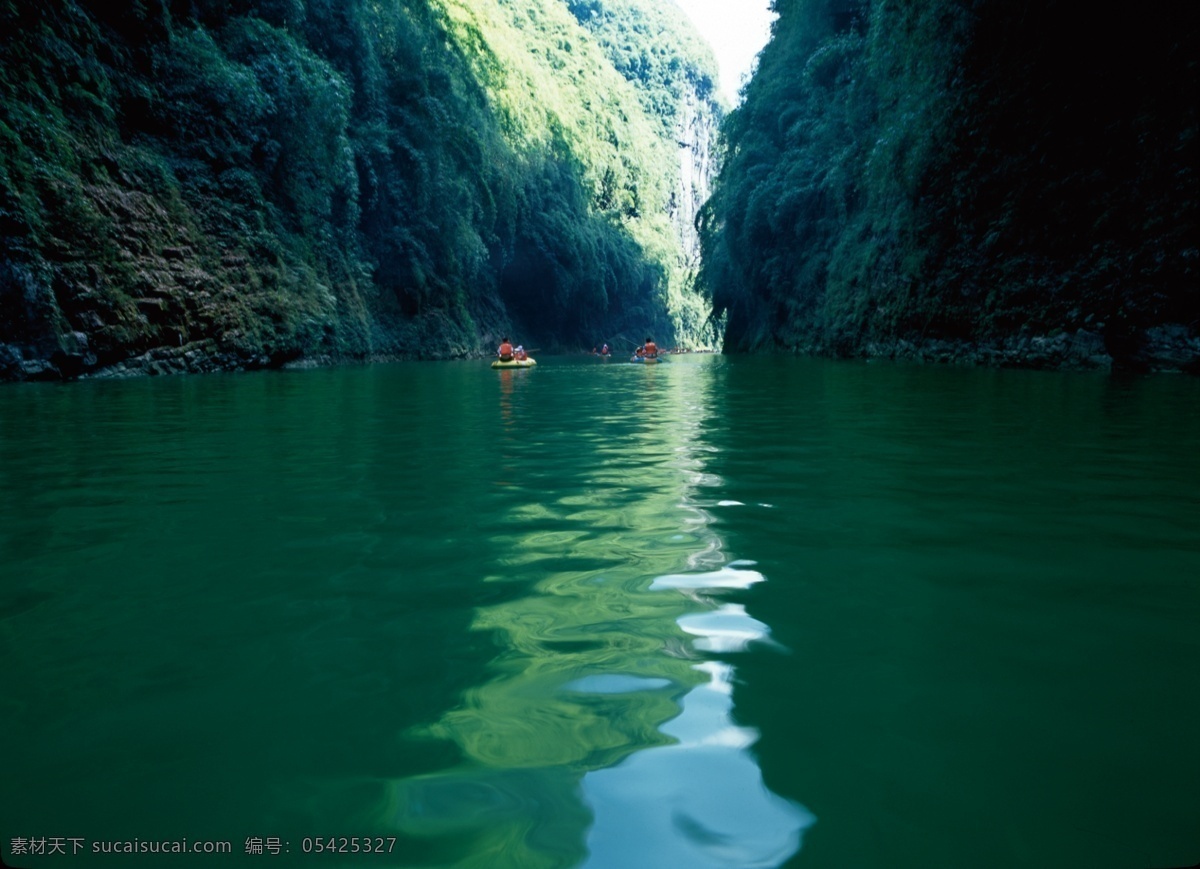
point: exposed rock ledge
(1171, 348)
(197, 357)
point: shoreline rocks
(1165, 349)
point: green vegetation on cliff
(674, 74)
(964, 176)
(223, 183)
(654, 46)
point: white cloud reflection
(700, 803)
(732, 575)
(727, 629)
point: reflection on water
(497, 614)
(726, 629)
(606, 735)
(700, 802)
(733, 575)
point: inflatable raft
(515, 363)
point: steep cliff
(696, 132)
(190, 186)
(674, 73)
(965, 181)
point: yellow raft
(515, 363)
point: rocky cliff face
(696, 132)
(200, 186)
(949, 181)
(674, 72)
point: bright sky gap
(737, 31)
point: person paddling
(650, 349)
(505, 351)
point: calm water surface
(713, 613)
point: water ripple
(699, 803)
(602, 670)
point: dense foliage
(653, 46)
(190, 184)
(964, 175)
(674, 74)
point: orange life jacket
(506, 352)
(651, 348)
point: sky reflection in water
(607, 736)
(700, 802)
(489, 632)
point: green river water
(719, 612)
